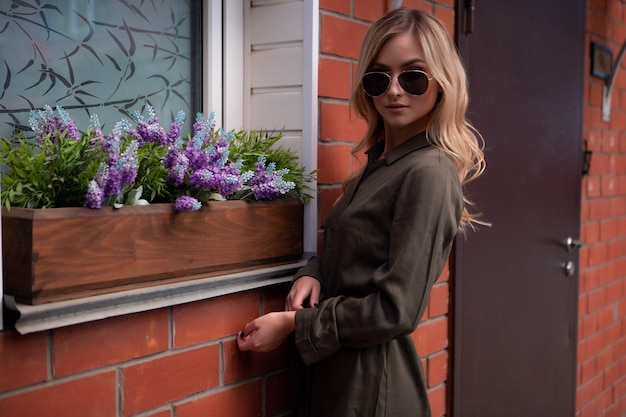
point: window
(252, 62)
(108, 58)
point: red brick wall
(601, 377)
(181, 361)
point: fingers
(305, 288)
(294, 300)
(243, 338)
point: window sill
(66, 313)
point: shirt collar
(416, 142)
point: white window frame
(225, 82)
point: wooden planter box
(65, 253)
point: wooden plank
(276, 111)
(49, 255)
(276, 67)
(276, 23)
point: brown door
(514, 302)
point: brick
(588, 371)
(337, 123)
(423, 5)
(587, 392)
(369, 10)
(620, 161)
(100, 343)
(92, 396)
(583, 259)
(606, 317)
(335, 78)
(615, 249)
(339, 6)
(599, 164)
(274, 298)
(333, 163)
(24, 359)
(449, 3)
(341, 37)
(437, 369)
(584, 211)
(214, 318)
(598, 254)
(614, 292)
(446, 16)
(431, 336)
(239, 401)
(278, 393)
(617, 207)
(608, 229)
(609, 186)
(239, 366)
(437, 399)
(159, 381)
(594, 93)
(592, 186)
(597, 299)
(612, 374)
(438, 303)
(161, 413)
(598, 209)
(610, 142)
(587, 326)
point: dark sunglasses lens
(414, 82)
(375, 83)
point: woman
(389, 236)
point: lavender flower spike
(187, 203)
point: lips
(395, 107)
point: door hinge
(470, 7)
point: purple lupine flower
(127, 163)
(174, 133)
(113, 185)
(43, 122)
(187, 203)
(97, 137)
(177, 164)
(95, 189)
(94, 196)
(268, 183)
(150, 130)
(230, 180)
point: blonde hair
(448, 128)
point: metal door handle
(571, 244)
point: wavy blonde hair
(448, 127)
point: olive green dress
(386, 241)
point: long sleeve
(390, 244)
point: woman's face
(404, 114)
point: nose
(394, 88)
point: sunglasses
(414, 82)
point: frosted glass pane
(105, 57)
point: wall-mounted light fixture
(602, 66)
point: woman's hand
(304, 288)
(267, 332)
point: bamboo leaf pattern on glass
(104, 57)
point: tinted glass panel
(104, 57)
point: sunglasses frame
(390, 78)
